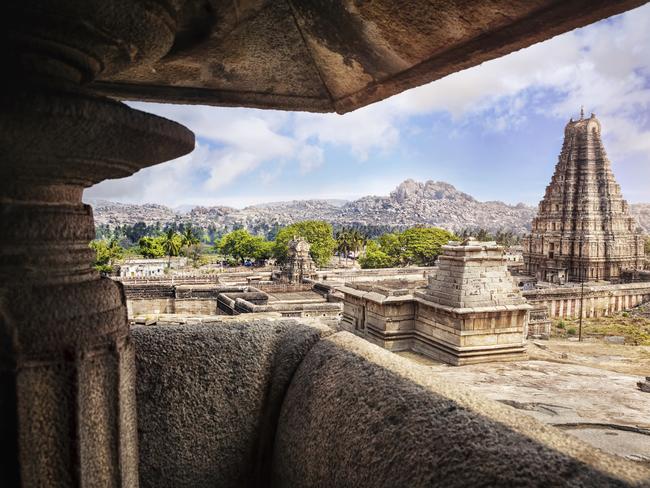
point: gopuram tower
(583, 229)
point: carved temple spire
(583, 229)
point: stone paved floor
(600, 406)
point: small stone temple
(583, 229)
(469, 312)
(299, 263)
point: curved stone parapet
(209, 397)
(356, 415)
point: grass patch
(636, 330)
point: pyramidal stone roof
(583, 228)
(474, 275)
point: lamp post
(582, 297)
(582, 292)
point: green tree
(375, 257)
(316, 232)
(171, 244)
(240, 244)
(343, 243)
(151, 247)
(189, 237)
(390, 243)
(646, 246)
(416, 246)
(106, 252)
(349, 241)
(421, 245)
(263, 249)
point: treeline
(128, 235)
(417, 246)
(235, 248)
(502, 237)
(169, 243)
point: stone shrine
(299, 263)
(470, 311)
(583, 229)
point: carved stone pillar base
(67, 403)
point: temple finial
(582, 112)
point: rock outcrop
(411, 203)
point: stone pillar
(67, 402)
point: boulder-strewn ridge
(411, 203)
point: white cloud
(168, 182)
(362, 131)
(310, 157)
(604, 66)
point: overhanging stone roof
(339, 55)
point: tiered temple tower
(583, 229)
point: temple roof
(338, 55)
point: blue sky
(494, 131)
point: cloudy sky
(494, 131)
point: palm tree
(171, 244)
(190, 240)
(115, 251)
(189, 237)
(343, 243)
(359, 242)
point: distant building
(583, 229)
(145, 268)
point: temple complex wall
(469, 337)
(598, 300)
(388, 324)
(145, 306)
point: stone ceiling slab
(339, 55)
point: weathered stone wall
(146, 306)
(275, 287)
(598, 301)
(153, 290)
(390, 324)
(209, 397)
(635, 275)
(353, 275)
(465, 337)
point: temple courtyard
(587, 389)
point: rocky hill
(411, 203)
(641, 212)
